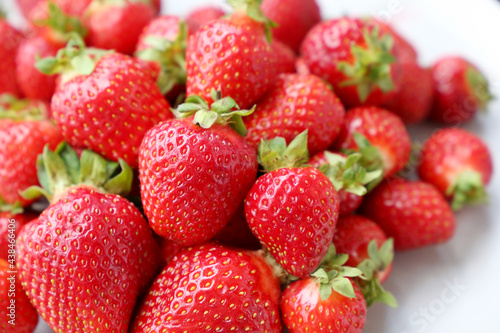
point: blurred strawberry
(202, 16)
(9, 231)
(10, 39)
(403, 50)
(285, 57)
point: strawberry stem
(275, 154)
(15, 208)
(254, 11)
(62, 23)
(20, 109)
(479, 87)
(468, 189)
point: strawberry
(233, 54)
(10, 39)
(212, 288)
(296, 103)
(117, 24)
(285, 57)
(104, 251)
(413, 100)
(237, 233)
(168, 249)
(356, 57)
(379, 135)
(27, 5)
(404, 52)
(40, 11)
(458, 163)
(294, 19)
(104, 101)
(196, 172)
(9, 231)
(460, 89)
(200, 17)
(292, 210)
(14, 105)
(301, 66)
(18, 315)
(414, 213)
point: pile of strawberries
(234, 172)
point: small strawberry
(285, 57)
(415, 214)
(458, 163)
(460, 89)
(233, 54)
(87, 258)
(212, 288)
(294, 19)
(195, 172)
(292, 209)
(200, 17)
(10, 39)
(104, 101)
(379, 135)
(9, 231)
(18, 315)
(356, 57)
(296, 103)
(237, 232)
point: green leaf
(275, 154)
(188, 108)
(387, 298)
(205, 119)
(344, 287)
(48, 66)
(468, 189)
(386, 252)
(83, 64)
(347, 271)
(93, 168)
(325, 291)
(224, 105)
(121, 183)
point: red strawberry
(117, 25)
(296, 103)
(285, 58)
(292, 210)
(107, 103)
(10, 39)
(458, 163)
(413, 101)
(20, 316)
(237, 233)
(415, 214)
(27, 5)
(212, 288)
(87, 258)
(356, 57)
(9, 231)
(301, 67)
(232, 54)
(168, 249)
(294, 19)
(460, 90)
(194, 178)
(202, 16)
(367, 128)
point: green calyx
(254, 11)
(379, 260)
(372, 65)
(468, 189)
(62, 169)
(275, 154)
(346, 173)
(61, 23)
(170, 55)
(3, 14)
(223, 111)
(479, 87)
(20, 109)
(11, 208)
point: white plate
(453, 287)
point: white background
(453, 287)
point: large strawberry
(292, 209)
(233, 54)
(195, 172)
(458, 163)
(10, 39)
(415, 214)
(87, 258)
(460, 90)
(104, 101)
(212, 288)
(296, 103)
(11, 224)
(199, 17)
(356, 57)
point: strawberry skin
(85, 260)
(10, 39)
(21, 221)
(285, 57)
(110, 110)
(304, 311)
(212, 288)
(415, 214)
(202, 16)
(26, 317)
(166, 27)
(293, 212)
(293, 104)
(193, 179)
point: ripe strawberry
(294, 19)
(10, 39)
(296, 103)
(109, 105)
(233, 54)
(18, 317)
(291, 209)
(102, 247)
(202, 16)
(356, 57)
(458, 163)
(117, 25)
(237, 233)
(194, 178)
(413, 100)
(27, 5)
(285, 57)
(212, 288)
(460, 89)
(415, 214)
(7, 229)
(380, 136)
